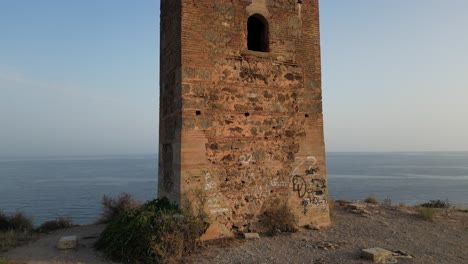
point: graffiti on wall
(279, 181)
(307, 187)
(307, 183)
(214, 199)
(215, 206)
(210, 183)
(247, 159)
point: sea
(73, 187)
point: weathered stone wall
(244, 127)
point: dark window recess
(257, 33)
(198, 113)
(247, 114)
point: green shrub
(4, 222)
(387, 202)
(371, 199)
(21, 222)
(342, 202)
(437, 204)
(58, 223)
(17, 222)
(461, 210)
(113, 207)
(157, 232)
(14, 229)
(277, 219)
(427, 213)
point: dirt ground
(44, 251)
(445, 240)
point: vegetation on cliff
(156, 232)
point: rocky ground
(445, 240)
(394, 228)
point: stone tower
(241, 110)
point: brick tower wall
(170, 118)
(243, 127)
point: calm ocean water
(410, 178)
(73, 187)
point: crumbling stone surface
(378, 255)
(251, 236)
(244, 127)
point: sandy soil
(443, 241)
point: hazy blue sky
(81, 77)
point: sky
(81, 77)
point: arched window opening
(257, 33)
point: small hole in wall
(306, 115)
(247, 114)
(198, 113)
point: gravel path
(44, 251)
(443, 241)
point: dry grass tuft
(387, 202)
(15, 229)
(113, 207)
(371, 199)
(58, 223)
(10, 239)
(279, 219)
(426, 213)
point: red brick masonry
(243, 127)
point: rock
(216, 231)
(326, 246)
(67, 242)
(365, 212)
(402, 254)
(378, 255)
(312, 227)
(251, 236)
